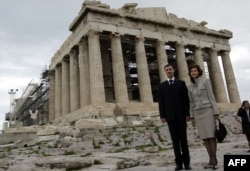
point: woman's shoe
(208, 166)
(214, 163)
(215, 167)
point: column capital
(116, 35)
(224, 53)
(213, 49)
(198, 48)
(72, 52)
(51, 72)
(82, 40)
(179, 44)
(139, 39)
(93, 32)
(160, 42)
(65, 59)
(58, 65)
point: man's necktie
(171, 82)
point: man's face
(169, 70)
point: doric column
(97, 92)
(162, 59)
(84, 72)
(217, 79)
(230, 78)
(142, 72)
(120, 86)
(51, 95)
(198, 59)
(58, 92)
(65, 87)
(182, 63)
(74, 81)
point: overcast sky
(31, 31)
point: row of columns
(78, 80)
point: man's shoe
(178, 168)
(188, 167)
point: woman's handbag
(220, 131)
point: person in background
(243, 112)
(174, 109)
(203, 112)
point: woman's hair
(200, 72)
(244, 102)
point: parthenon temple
(112, 62)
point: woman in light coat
(203, 111)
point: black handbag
(220, 131)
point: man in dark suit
(174, 109)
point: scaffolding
(34, 100)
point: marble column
(65, 87)
(58, 92)
(198, 59)
(51, 95)
(84, 73)
(216, 77)
(182, 63)
(143, 72)
(74, 81)
(120, 85)
(233, 92)
(162, 59)
(97, 93)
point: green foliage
(141, 147)
(156, 130)
(87, 154)
(124, 136)
(46, 155)
(2, 156)
(162, 149)
(117, 144)
(97, 162)
(66, 153)
(101, 142)
(8, 149)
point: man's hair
(167, 65)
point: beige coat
(201, 96)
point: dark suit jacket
(173, 101)
(244, 121)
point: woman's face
(246, 105)
(194, 73)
